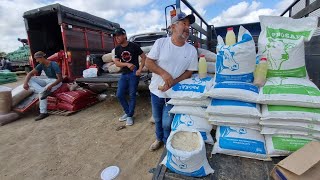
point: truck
(68, 36)
(229, 167)
(19, 59)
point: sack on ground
(73, 97)
(192, 88)
(240, 91)
(189, 110)
(233, 108)
(186, 154)
(195, 103)
(236, 62)
(8, 118)
(284, 145)
(240, 142)
(290, 91)
(63, 105)
(5, 99)
(183, 122)
(19, 94)
(290, 114)
(282, 41)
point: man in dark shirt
(127, 57)
(43, 85)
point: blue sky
(136, 16)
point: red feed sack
(63, 88)
(53, 100)
(73, 97)
(63, 105)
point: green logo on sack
(291, 89)
(294, 109)
(288, 144)
(285, 34)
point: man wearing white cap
(170, 60)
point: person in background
(43, 85)
(127, 57)
(170, 60)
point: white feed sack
(195, 103)
(114, 69)
(238, 125)
(240, 142)
(189, 110)
(211, 67)
(107, 58)
(220, 107)
(236, 62)
(210, 56)
(278, 131)
(236, 120)
(284, 145)
(282, 41)
(298, 126)
(183, 122)
(290, 91)
(240, 91)
(186, 154)
(290, 114)
(192, 88)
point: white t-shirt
(173, 59)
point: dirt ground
(79, 146)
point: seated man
(43, 85)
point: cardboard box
(303, 164)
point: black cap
(119, 31)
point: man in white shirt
(170, 60)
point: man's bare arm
(153, 67)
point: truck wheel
(27, 69)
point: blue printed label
(235, 85)
(204, 135)
(242, 78)
(239, 144)
(219, 102)
(198, 173)
(189, 87)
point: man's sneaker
(129, 121)
(123, 118)
(41, 116)
(155, 145)
(45, 94)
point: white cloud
(12, 24)
(244, 12)
(140, 22)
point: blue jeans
(161, 116)
(128, 83)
